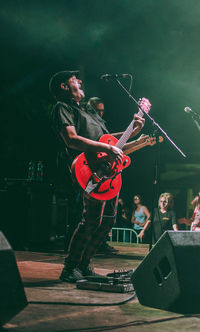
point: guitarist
(80, 130)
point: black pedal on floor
(117, 282)
(121, 274)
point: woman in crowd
(140, 216)
(195, 200)
(194, 221)
(164, 218)
(195, 225)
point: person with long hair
(196, 200)
(194, 221)
(164, 217)
(140, 216)
(195, 225)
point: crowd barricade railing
(124, 235)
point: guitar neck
(126, 135)
(129, 149)
(132, 147)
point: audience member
(194, 221)
(195, 226)
(140, 216)
(164, 217)
(195, 200)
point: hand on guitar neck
(137, 123)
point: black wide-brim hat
(60, 77)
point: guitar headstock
(144, 104)
(153, 140)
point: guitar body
(97, 171)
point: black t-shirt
(87, 124)
(85, 120)
(162, 222)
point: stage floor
(57, 306)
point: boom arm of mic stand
(150, 118)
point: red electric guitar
(95, 173)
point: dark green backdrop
(156, 41)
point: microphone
(188, 110)
(191, 112)
(107, 77)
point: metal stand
(154, 123)
(156, 182)
(157, 158)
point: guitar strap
(101, 122)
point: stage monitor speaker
(12, 295)
(169, 276)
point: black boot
(87, 271)
(106, 249)
(71, 274)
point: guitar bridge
(91, 186)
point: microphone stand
(154, 123)
(155, 188)
(157, 159)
